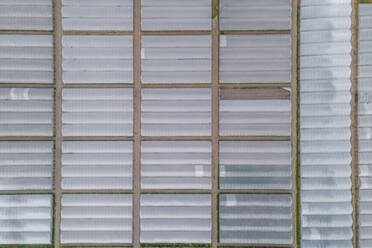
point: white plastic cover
(325, 57)
(176, 14)
(255, 164)
(255, 15)
(255, 219)
(97, 112)
(97, 59)
(267, 117)
(97, 14)
(176, 59)
(176, 112)
(26, 58)
(171, 218)
(26, 15)
(26, 112)
(96, 218)
(176, 164)
(263, 58)
(97, 165)
(25, 219)
(26, 165)
(365, 126)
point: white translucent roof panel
(176, 59)
(97, 112)
(261, 115)
(176, 164)
(255, 164)
(26, 165)
(96, 218)
(325, 57)
(97, 165)
(176, 14)
(254, 15)
(176, 112)
(97, 59)
(364, 125)
(255, 219)
(97, 15)
(26, 112)
(26, 58)
(172, 218)
(26, 15)
(263, 58)
(25, 219)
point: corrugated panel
(263, 58)
(25, 219)
(176, 14)
(97, 59)
(96, 218)
(97, 164)
(97, 15)
(325, 97)
(26, 112)
(255, 165)
(255, 112)
(176, 164)
(255, 15)
(255, 219)
(26, 15)
(26, 58)
(176, 59)
(26, 165)
(171, 218)
(176, 112)
(364, 125)
(97, 112)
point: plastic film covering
(25, 219)
(97, 112)
(96, 218)
(176, 112)
(97, 15)
(325, 58)
(172, 218)
(256, 219)
(26, 112)
(364, 125)
(97, 165)
(26, 58)
(97, 59)
(176, 14)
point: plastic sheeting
(325, 57)
(176, 112)
(97, 112)
(97, 59)
(364, 125)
